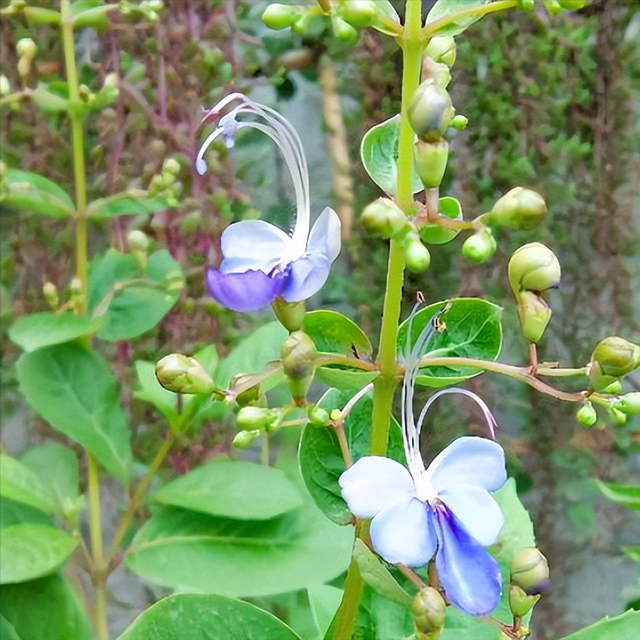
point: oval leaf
(452, 17)
(623, 627)
(334, 333)
(128, 203)
(35, 193)
(39, 330)
(19, 483)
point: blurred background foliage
(553, 104)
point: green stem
(264, 449)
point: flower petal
(471, 461)
(404, 533)
(374, 483)
(469, 574)
(246, 291)
(476, 510)
(305, 277)
(324, 238)
(252, 245)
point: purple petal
(374, 483)
(252, 245)
(324, 238)
(305, 277)
(471, 461)
(404, 533)
(469, 574)
(246, 291)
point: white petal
(374, 483)
(469, 460)
(252, 245)
(404, 533)
(324, 238)
(478, 512)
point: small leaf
(347, 380)
(51, 97)
(324, 601)
(31, 551)
(452, 24)
(38, 330)
(19, 483)
(379, 154)
(7, 630)
(333, 332)
(153, 392)
(626, 495)
(129, 203)
(35, 193)
(623, 627)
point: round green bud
(442, 49)
(613, 389)
(298, 353)
(526, 5)
(318, 416)
(434, 233)
(519, 602)
(259, 418)
(138, 241)
(430, 159)
(573, 5)
(416, 255)
(5, 85)
(534, 315)
(616, 357)
(171, 166)
(358, 13)
(280, 16)
(289, 314)
(518, 209)
(429, 611)
(530, 571)
(184, 374)
(619, 418)
(553, 7)
(250, 396)
(430, 111)
(479, 247)
(534, 267)
(50, 292)
(459, 122)
(75, 286)
(630, 403)
(586, 415)
(343, 30)
(26, 48)
(244, 439)
(383, 218)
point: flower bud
(416, 255)
(615, 357)
(434, 233)
(171, 166)
(479, 247)
(573, 5)
(586, 415)
(526, 5)
(459, 122)
(430, 111)
(383, 218)
(613, 389)
(430, 160)
(280, 16)
(359, 13)
(519, 602)
(630, 403)
(530, 571)
(619, 418)
(5, 86)
(183, 374)
(534, 314)
(298, 355)
(553, 7)
(343, 30)
(429, 610)
(250, 396)
(290, 314)
(26, 48)
(244, 439)
(442, 49)
(250, 418)
(534, 267)
(138, 241)
(318, 416)
(50, 292)
(437, 72)
(518, 209)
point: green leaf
(74, 391)
(45, 609)
(38, 330)
(378, 577)
(447, 10)
(626, 495)
(7, 630)
(35, 193)
(17, 513)
(623, 627)
(334, 333)
(379, 155)
(382, 619)
(232, 489)
(129, 203)
(19, 483)
(31, 551)
(324, 601)
(51, 97)
(153, 392)
(470, 329)
(240, 558)
(345, 379)
(206, 617)
(90, 13)
(128, 302)
(320, 458)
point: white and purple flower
(260, 261)
(444, 510)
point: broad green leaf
(31, 551)
(382, 619)
(470, 328)
(345, 379)
(7, 630)
(74, 391)
(19, 483)
(12, 512)
(232, 489)
(52, 97)
(379, 154)
(206, 617)
(452, 16)
(35, 193)
(623, 627)
(153, 392)
(39, 330)
(90, 13)
(320, 457)
(240, 558)
(324, 601)
(128, 302)
(128, 203)
(378, 577)
(334, 333)
(45, 609)
(626, 495)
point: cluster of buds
(298, 354)
(529, 580)
(184, 374)
(26, 49)
(166, 184)
(429, 610)
(252, 421)
(533, 271)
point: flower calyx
(612, 359)
(530, 571)
(430, 111)
(299, 355)
(383, 218)
(429, 611)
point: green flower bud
(318, 416)
(26, 48)
(586, 415)
(534, 315)
(459, 122)
(383, 218)
(299, 354)
(359, 13)
(434, 233)
(442, 49)
(430, 160)
(438, 72)
(183, 374)
(553, 7)
(138, 241)
(343, 30)
(613, 389)
(616, 357)
(429, 610)
(518, 209)
(479, 247)
(171, 166)
(290, 314)
(534, 267)
(250, 396)
(530, 571)
(50, 292)
(416, 255)
(519, 602)
(526, 5)
(430, 111)
(259, 418)
(5, 86)
(573, 5)
(630, 403)
(619, 418)
(244, 439)
(281, 16)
